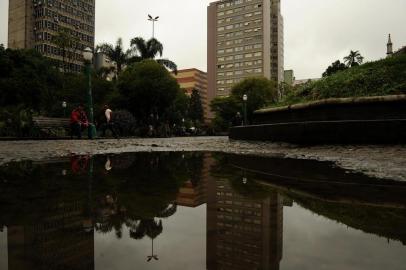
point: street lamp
(153, 20)
(64, 105)
(244, 99)
(88, 56)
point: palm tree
(149, 50)
(353, 59)
(116, 53)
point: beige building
(33, 24)
(193, 78)
(245, 39)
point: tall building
(35, 24)
(245, 39)
(190, 79)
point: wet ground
(377, 161)
(197, 210)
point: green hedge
(383, 77)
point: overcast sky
(317, 32)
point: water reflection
(162, 207)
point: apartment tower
(35, 24)
(245, 39)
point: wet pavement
(372, 160)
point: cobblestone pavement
(378, 161)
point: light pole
(153, 20)
(244, 99)
(64, 105)
(88, 56)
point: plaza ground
(373, 160)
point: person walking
(108, 113)
(78, 121)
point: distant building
(289, 77)
(303, 81)
(193, 78)
(245, 39)
(389, 48)
(102, 61)
(33, 24)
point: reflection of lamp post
(64, 105)
(244, 99)
(155, 257)
(88, 56)
(153, 20)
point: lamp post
(88, 56)
(244, 99)
(153, 20)
(64, 105)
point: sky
(317, 32)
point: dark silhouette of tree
(116, 53)
(195, 107)
(353, 59)
(334, 68)
(150, 50)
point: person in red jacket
(78, 121)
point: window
(230, 73)
(229, 50)
(238, 56)
(220, 59)
(258, 54)
(239, 49)
(248, 55)
(229, 58)
(220, 51)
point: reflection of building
(195, 194)
(33, 24)
(245, 39)
(243, 233)
(190, 79)
(62, 239)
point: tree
(148, 88)
(195, 107)
(260, 92)
(353, 59)
(116, 53)
(150, 50)
(334, 68)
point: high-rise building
(190, 79)
(36, 24)
(245, 39)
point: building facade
(59, 29)
(190, 79)
(245, 39)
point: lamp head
(245, 97)
(88, 54)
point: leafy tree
(334, 67)
(116, 53)
(196, 107)
(148, 88)
(353, 59)
(150, 50)
(260, 92)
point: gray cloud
(317, 32)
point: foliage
(383, 77)
(260, 92)
(148, 88)
(116, 53)
(150, 49)
(195, 107)
(334, 68)
(353, 59)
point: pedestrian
(78, 121)
(237, 121)
(109, 124)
